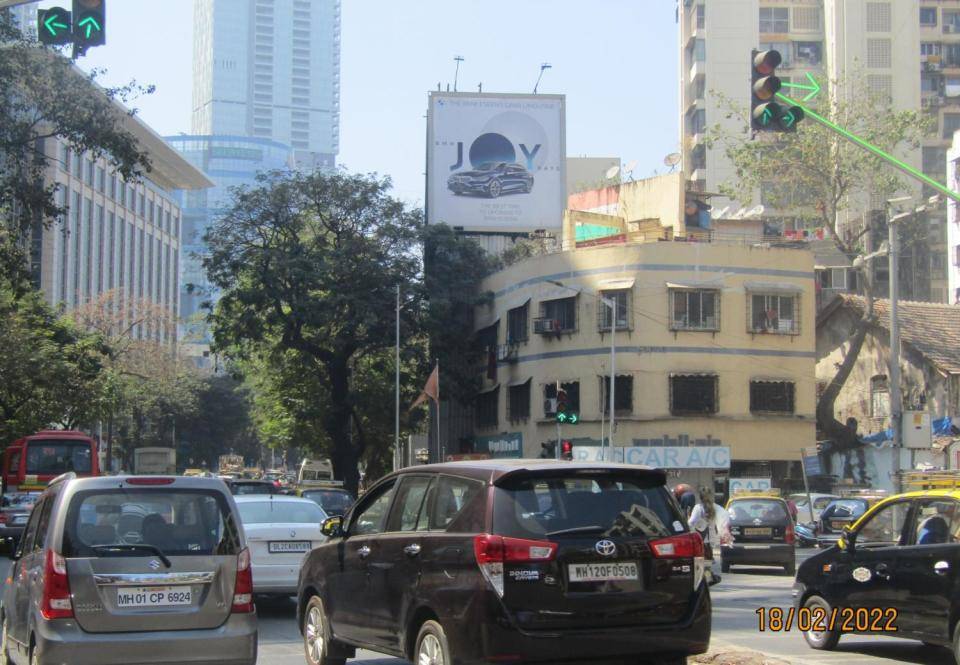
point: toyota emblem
(606, 548)
(154, 564)
(293, 534)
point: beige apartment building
(907, 50)
(715, 353)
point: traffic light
(566, 450)
(89, 23)
(564, 415)
(53, 26)
(766, 115)
(549, 450)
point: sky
(615, 60)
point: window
(951, 88)
(89, 172)
(772, 397)
(928, 16)
(371, 516)
(101, 179)
(784, 48)
(408, 507)
(697, 121)
(951, 123)
(930, 83)
(878, 17)
(930, 48)
(604, 311)
(517, 324)
(806, 19)
(700, 50)
(571, 389)
(519, 404)
(701, 16)
(693, 394)
(879, 397)
(487, 408)
(938, 522)
(695, 309)
(774, 314)
(878, 53)
(563, 313)
(808, 53)
(622, 396)
(881, 87)
(774, 19)
(113, 186)
(951, 21)
(457, 505)
(884, 527)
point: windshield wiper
(120, 547)
(578, 529)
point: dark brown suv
(509, 561)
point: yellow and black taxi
(843, 512)
(895, 571)
(762, 530)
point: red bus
(33, 461)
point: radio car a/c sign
(663, 457)
(750, 484)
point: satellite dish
(612, 172)
(672, 159)
(631, 165)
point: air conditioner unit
(546, 326)
(550, 406)
(507, 353)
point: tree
(44, 96)
(221, 423)
(310, 263)
(817, 175)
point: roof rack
(931, 480)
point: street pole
(396, 421)
(613, 370)
(896, 406)
(556, 449)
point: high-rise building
(270, 69)
(906, 50)
(25, 16)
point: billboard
(496, 162)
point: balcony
(699, 68)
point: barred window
(772, 396)
(487, 408)
(879, 396)
(622, 395)
(604, 311)
(806, 19)
(518, 406)
(562, 311)
(878, 17)
(695, 309)
(571, 389)
(878, 53)
(774, 19)
(517, 324)
(694, 394)
(774, 313)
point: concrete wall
(649, 351)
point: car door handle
(363, 552)
(882, 571)
(412, 550)
(941, 567)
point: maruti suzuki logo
(493, 148)
(154, 564)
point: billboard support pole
(806, 484)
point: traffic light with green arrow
(53, 26)
(765, 114)
(89, 24)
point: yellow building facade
(715, 356)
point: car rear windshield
(333, 502)
(845, 508)
(253, 488)
(176, 521)
(280, 512)
(57, 456)
(584, 504)
(749, 510)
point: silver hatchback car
(129, 570)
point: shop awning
(772, 287)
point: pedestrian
(685, 497)
(713, 523)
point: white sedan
(281, 531)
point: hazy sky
(616, 61)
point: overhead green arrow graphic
(814, 87)
(90, 24)
(52, 24)
(866, 145)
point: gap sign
(664, 457)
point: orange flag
(431, 389)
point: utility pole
(612, 302)
(396, 424)
(896, 399)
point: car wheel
(432, 647)
(316, 635)
(494, 189)
(826, 639)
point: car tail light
(494, 551)
(56, 603)
(243, 588)
(3, 518)
(149, 480)
(685, 546)
(789, 535)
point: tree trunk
(344, 456)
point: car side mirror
(332, 527)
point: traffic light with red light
(566, 450)
(766, 115)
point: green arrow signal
(574, 419)
(788, 119)
(866, 145)
(814, 87)
(50, 25)
(90, 24)
(766, 117)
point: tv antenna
(672, 160)
(631, 165)
(543, 67)
(612, 172)
(456, 75)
